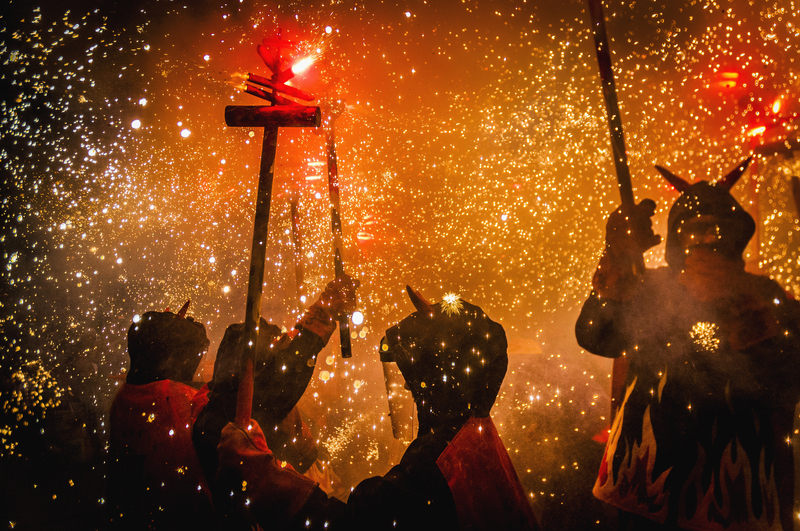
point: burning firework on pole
(281, 113)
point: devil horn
(730, 179)
(419, 301)
(182, 311)
(679, 184)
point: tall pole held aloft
(282, 113)
(612, 105)
(271, 118)
(258, 254)
(618, 151)
(336, 221)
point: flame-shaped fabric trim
(661, 384)
(630, 488)
(735, 512)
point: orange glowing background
(473, 158)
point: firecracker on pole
(281, 112)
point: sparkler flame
(302, 64)
(451, 304)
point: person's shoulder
(155, 389)
(271, 330)
(772, 291)
(769, 286)
(424, 451)
(174, 387)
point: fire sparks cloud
(473, 158)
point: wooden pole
(620, 367)
(297, 239)
(258, 254)
(612, 105)
(277, 116)
(271, 119)
(336, 224)
(283, 113)
(756, 213)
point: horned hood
(453, 358)
(707, 199)
(165, 346)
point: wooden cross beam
(271, 118)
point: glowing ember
(451, 304)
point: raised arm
(629, 233)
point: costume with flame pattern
(700, 439)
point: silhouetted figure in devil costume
(250, 468)
(456, 474)
(173, 460)
(155, 477)
(701, 436)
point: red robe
(155, 480)
(486, 490)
